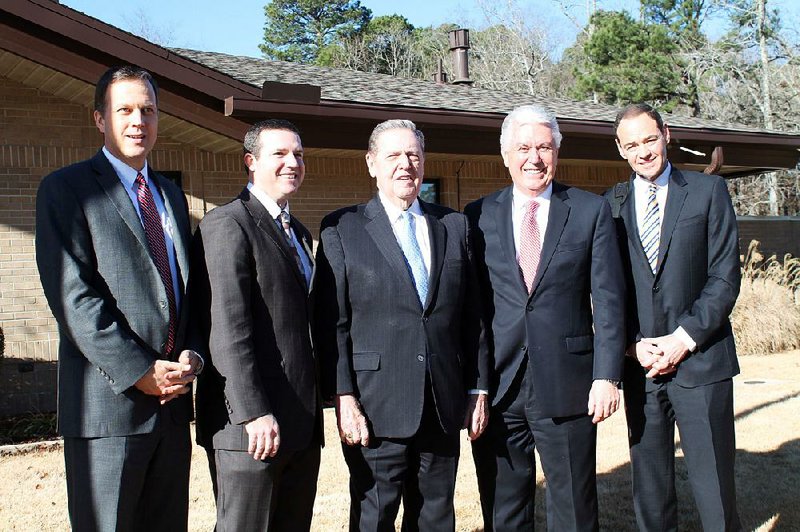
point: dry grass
(33, 492)
(766, 317)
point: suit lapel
(267, 224)
(628, 213)
(380, 230)
(173, 206)
(438, 238)
(109, 181)
(676, 195)
(556, 220)
(505, 233)
(308, 246)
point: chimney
(440, 76)
(459, 45)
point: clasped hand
(661, 355)
(168, 379)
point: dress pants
(130, 483)
(506, 468)
(704, 416)
(420, 470)
(275, 494)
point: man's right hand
(166, 379)
(353, 428)
(264, 437)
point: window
(430, 191)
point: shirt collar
(394, 212)
(270, 204)
(661, 181)
(521, 200)
(125, 172)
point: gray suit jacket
(107, 297)
(375, 338)
(698, 275)
(569, 326)
(252, 306)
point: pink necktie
(530, 245)
(158, 250)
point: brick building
(51, 55)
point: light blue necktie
(407, 237)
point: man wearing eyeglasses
(679, 241)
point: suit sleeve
(474, 326)
(86, 316)
(608, 298)
(228, 257)
(711, 309)
(333, 315)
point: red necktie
(158, 250)
(530, 245)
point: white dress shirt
(395, 213)
(519, 205)
(127, 176)
(274, 210)
(641, 192)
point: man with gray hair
(552, 287)
(399, 336)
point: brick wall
(40, 133)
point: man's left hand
(603, 400)
(477, 418)
(674, 351)
(192, 364)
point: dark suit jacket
(107, 297)
(553, 325)
(253, 308)
(698, 274)
(378, 341)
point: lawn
(33, 492)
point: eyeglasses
(650, 143)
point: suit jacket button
(656, 289)
(529, 308)
(163, 304)
(420, 358)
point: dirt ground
(33, 492)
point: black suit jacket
(377, 340)
(108, 298)
(253, 308)
(698, 275)
(579, 269)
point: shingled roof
(344, 85)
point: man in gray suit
(258, 409)
(678, 234)
(111, 247)
(399, 330)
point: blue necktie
(407, 237)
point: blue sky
(237, 26)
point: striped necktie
(407, 238)
(651, 228)
(154, 232)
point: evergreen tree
(298, 30)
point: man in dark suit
(553, 291)
(258, 411)
(111, 247)
(401, 338)
(677, 230)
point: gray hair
(528, 114)
(394, 124)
